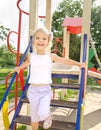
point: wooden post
(33, 15)
(48, 19)
(66, 42)
(86, 28)
(48, 14)
(33, 23)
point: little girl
(39, 92)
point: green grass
(3, 73)
(11, 94)
(21, 128)
(92, 87)
(92, 84)
(6, 70)
(40, 128)
(69, 94)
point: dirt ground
(92, 111)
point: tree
(7, 59)
(3, 32)
(68, 8)
(72, 8)
(96, 29)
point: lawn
(3, 73)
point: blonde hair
(44, 30)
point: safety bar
(7, 78)
(8, 42)
(20, 8)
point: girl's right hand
(17, 69)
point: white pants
(39, 98)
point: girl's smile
(41, 41)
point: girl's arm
(22, 66)
(63, 60)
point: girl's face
(41, 41)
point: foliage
(10, 95)
(71, 8)
(21, 127)
(3, 32)
(69, 94)
(96, 30)
(4, 72)
(67, 8)
(7, 59)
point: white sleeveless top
(40, 69)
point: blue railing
(82, 83)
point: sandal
(48, 122)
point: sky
(9, 16)
(9, 11)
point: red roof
(74, 25)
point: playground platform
(59, 68)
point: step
(66, 104)
(56, 125)
(67, 76)
(58, 103)
(65, 86)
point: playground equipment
(81, 86)
(74, 26)
(5, 114)
(95, 52)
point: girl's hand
(82, 65)
(17, 69)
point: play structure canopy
(74, 25)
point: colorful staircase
(57, 125)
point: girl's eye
(37, 38)
(44, 38)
